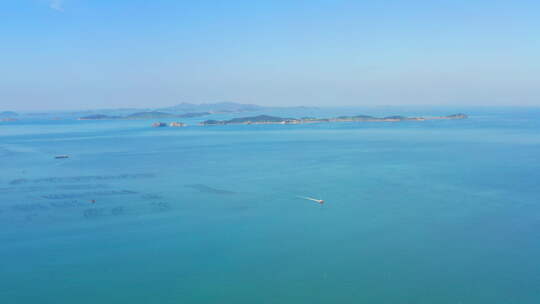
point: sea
(439, 211)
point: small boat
(61, 156)
(320, 201)
(159, 124)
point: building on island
(177, 124)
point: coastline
(271, 120)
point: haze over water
(415, 212)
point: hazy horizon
(367, 106)
(77, 55)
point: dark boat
(159, 124)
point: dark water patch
(60, 196)
(30, 217)
(67, 204)
(19, 181)
(83, 187)
(161, 206)
(207, 189)
(239, 208)
(4, 152)
(29, 207)
(20, 189)
(149, 196)
(78, 179)
(94, 213)
(117, 211)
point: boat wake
(320, 201)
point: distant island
(223, 107)
(175, 124)
(182, 110)
(266, 119)
(218, 107)
(8, 116)
(99, 116)
(144, 115)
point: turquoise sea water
(415, 212)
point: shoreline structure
(267, 120)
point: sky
(86, 54)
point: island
(174, 124)
(159, 124)
(266, 119)
(99, 117)
(8, 116)
(144, 115)
(177, 124)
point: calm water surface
(415, 212)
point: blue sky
(83, 54)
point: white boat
(320, 201)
